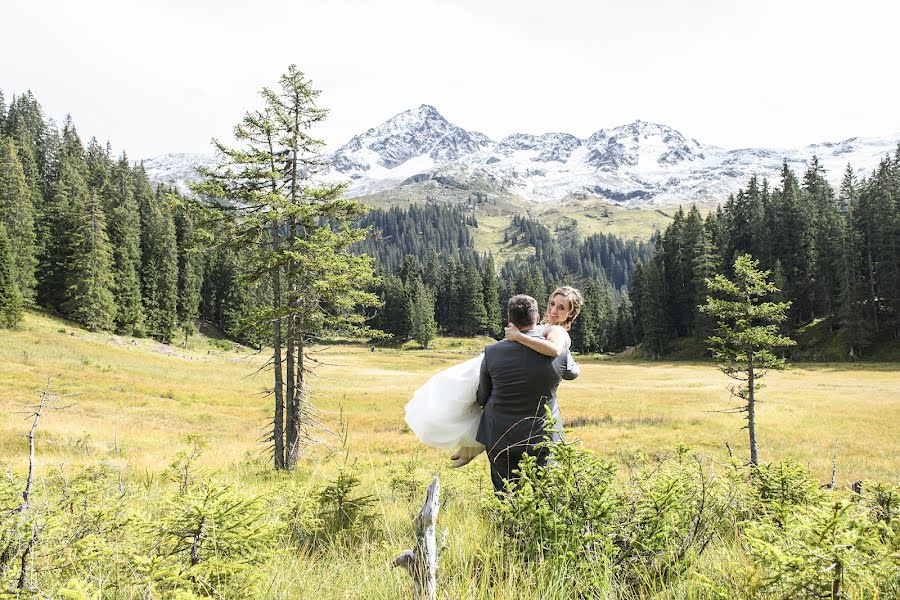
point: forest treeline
(86, 235)
(835, 255)
(433, 278)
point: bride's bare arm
(553, 345)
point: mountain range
(639, 164)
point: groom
(515, 386)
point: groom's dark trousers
(516, 387)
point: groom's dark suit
(516, 384)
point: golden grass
(145, 397)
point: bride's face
(558, 309)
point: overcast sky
(158, 77)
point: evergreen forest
(86, 235)
(834, 255)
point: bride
(443, 412)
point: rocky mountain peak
(414, 133)
(635, 164)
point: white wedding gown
(443, 413)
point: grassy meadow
(137, 400)
(144, 397)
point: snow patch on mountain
(635, 164)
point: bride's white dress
(443, 413)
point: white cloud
(167, 76)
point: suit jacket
(515, 385)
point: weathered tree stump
(421, 562)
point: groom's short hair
(523, 311)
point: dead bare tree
(421, 562)
(49, 399)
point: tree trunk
(290, 433)
(751, 412)
(872, 294)
(278, 423)
(296, 405)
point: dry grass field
(138, 400)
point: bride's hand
(512, 333)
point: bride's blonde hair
(574, 298)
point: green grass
(145, 397)
(138, 400)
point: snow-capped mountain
(177, 169)
(636, 164)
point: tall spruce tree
(473, 314)
(396, 317)
(493, 315)
(17, 214)
(10, 299)
(747, 334)
(89, 279)
(190, 272)
(827, 239)
(159, 260)
(586, 328)
(623, 334)
(124, 225)
(54, 229)
(636, 294)
(654, 316)
(424, 327)
(269, 192)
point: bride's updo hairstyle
(574, 298)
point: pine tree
(55, 228)
(635, 294)
(189, 272)
(397, 311)
(159, 261)
(124, 227)
(431, 272)
(623, 335)
(409, 270)
(875, 220)
(654, 317)
(827, 240)
(856, 328)
(473, 315)
(25, 151)
(747, 334)
(493, 315)
(89, 278)
(795, 245)
(424, 327)
(449, 314)
(17, 214)
(586, 328)
(704, 267)
(36, 142)
(10, 299)
(606, 313)
(268, 185)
